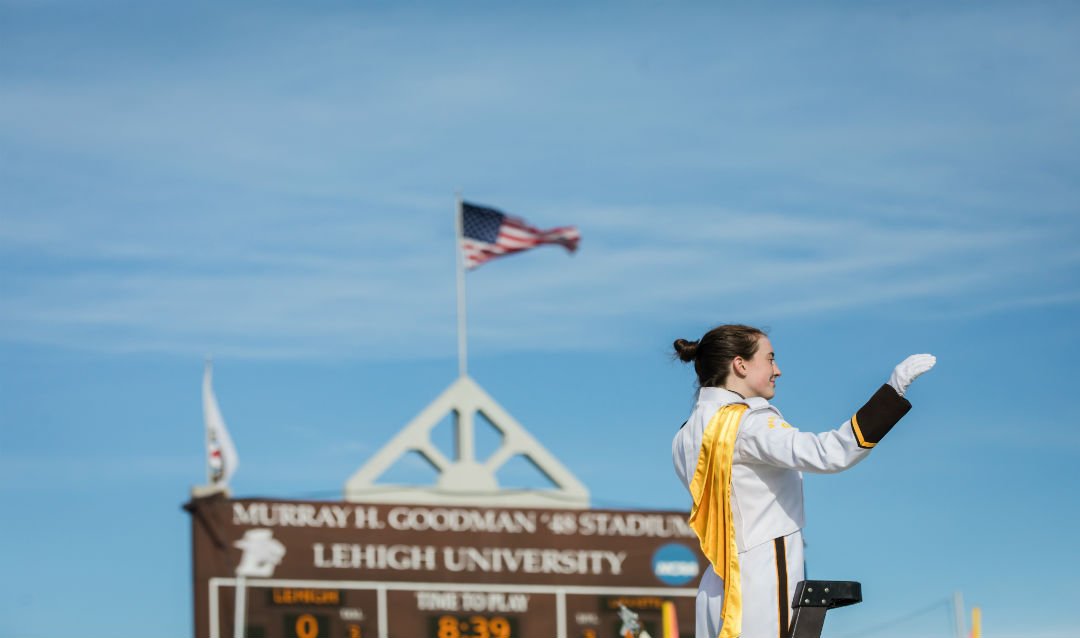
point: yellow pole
(976, 622)
(671, 625)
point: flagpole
(459, 233)
(208, 372)
(958, 611)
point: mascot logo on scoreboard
(262, 553)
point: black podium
(815, 597)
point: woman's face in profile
(762, 371)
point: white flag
(221, 459)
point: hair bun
(686, 350)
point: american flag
(487, 234)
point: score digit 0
(307, 626)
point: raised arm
(766, 438)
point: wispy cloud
(322, 297)
(288, 194)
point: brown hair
(713, 354)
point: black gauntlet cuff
(874, 420)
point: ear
(738, 366)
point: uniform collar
(718, 395)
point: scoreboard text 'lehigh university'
(313, 569)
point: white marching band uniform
(766, 497)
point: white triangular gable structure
(465, 480)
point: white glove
(908, 369)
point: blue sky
(272, 184)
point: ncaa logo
(675, 564)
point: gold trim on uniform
(858, 433)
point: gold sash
(711, 517)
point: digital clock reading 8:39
(473, 627)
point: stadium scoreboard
(317, 569)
